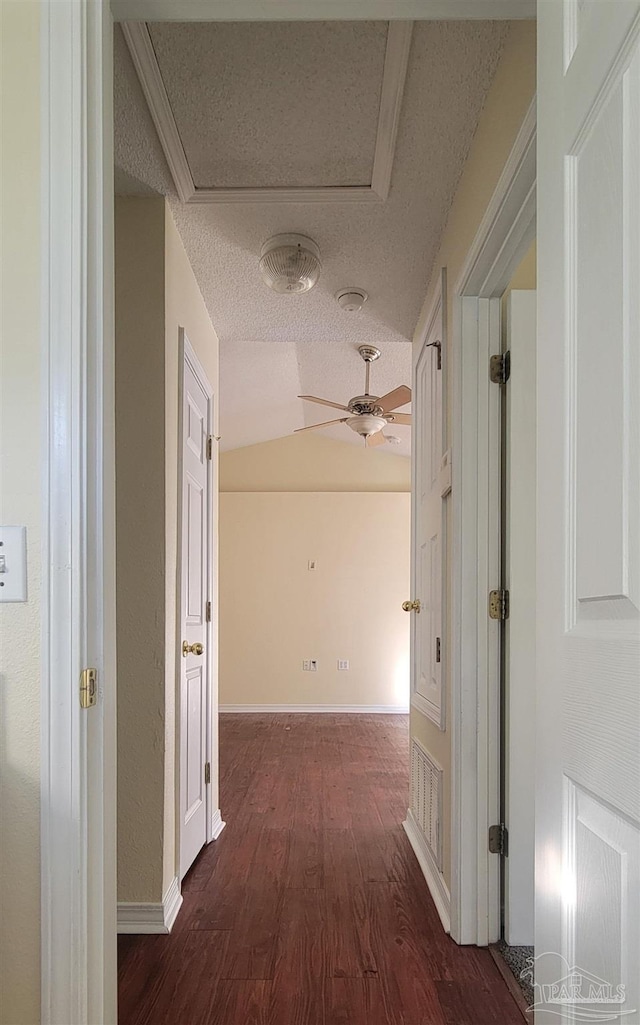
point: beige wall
(312, 462)
(274, 611)
(20, 502)
(140, 541)
(156, 295)
(508, 100)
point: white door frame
(188, 355)
(78, 767)
(505, 233)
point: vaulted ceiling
(259, 107)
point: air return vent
(426, 798)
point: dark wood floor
(310, 909)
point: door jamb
(505, 233)
(77, 772)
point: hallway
(311, 908)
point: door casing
(504, 236)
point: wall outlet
(309, 665)
(343, 663)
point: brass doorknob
(411, 606)
(191, 649)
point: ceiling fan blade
(375, 439)
(398, 397)
(313, 427)
(323, 402)
(400, 418)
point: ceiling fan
(368, 414)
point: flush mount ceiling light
(351, 299)
(290, 263)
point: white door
(431, 482)
(195, 657)
(588, 558)
(519, 575)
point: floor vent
(426, 798)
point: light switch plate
(13, 564)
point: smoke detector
(351, 299)
(290, 263)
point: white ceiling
(275, 347)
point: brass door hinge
(207, 772)
(499, 839)
(500, 368)
(88, 688)
(208, 612)
(210, 447)
(499, 605)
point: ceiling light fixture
(290, 264)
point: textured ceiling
(256, 108)
(275, 347)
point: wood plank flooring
(310, 909)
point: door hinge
(88, 688)
(437, 649)
(500, 368)
(499, 604)
(210, 447)
(499, 839)
(208, 612)
(438, 347)
(207, 772)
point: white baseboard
(435, 880)
(150, 918)
(217, 825)
(361, 709)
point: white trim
(150, 918)
(217, 825)
(322, 10)
(396, 60)
(78, 877)
(355, 709)
(435, 880)
(502, 239)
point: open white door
(588, 558)
(431, 483)
(195, 617)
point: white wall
(20, 503)
(274, 611)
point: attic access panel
(274, 111)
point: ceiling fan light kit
(290, 264)
(368, 414)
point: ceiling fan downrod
(369, 353)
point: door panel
(588, 564)
(195, 667)
(431, 483)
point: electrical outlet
(343, 663)
(309, 665)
